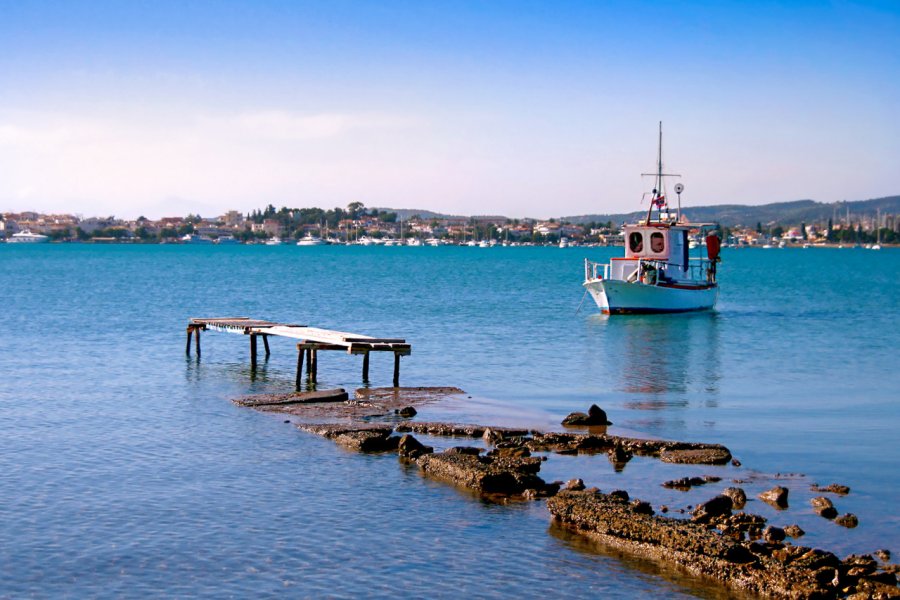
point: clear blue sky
(516, 108)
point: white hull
(621, 297)
(26, 237)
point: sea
(127, 471)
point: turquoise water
(126, 470)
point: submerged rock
(411, 448)
(594, 416)
(407, 412)
(794, 531)
(710, 455)
(737, 495)
(261, 400)
(777, 497)
(834, 488)
(749, 567)
(848, 520)
(360, 438)
(715, 507)
(823, 507)
(490, 475)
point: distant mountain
(785, 213)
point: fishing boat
(26, 237)
(657, 273)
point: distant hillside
(798, 211)
(405, 213)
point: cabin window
(636, 242)
(657, 242)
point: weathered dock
(311, 340)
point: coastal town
(356, 224)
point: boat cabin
(663, 243)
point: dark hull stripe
(651, 311)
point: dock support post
(309, 365)
(365, 376)
(299, 380)
(253, 351)
(197, 340)
(190, 332)
(315, 365)
(266, 344)
(396, 369)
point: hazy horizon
(519, 109)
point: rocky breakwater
(765, 568)
(498, 474)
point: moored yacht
(26, 237)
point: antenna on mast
(658, 196)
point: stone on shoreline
(794, 531)
(848, 520)
(796, 573)
(696, 456)
(486, 474)
(686, 483)
(407, 412)
(454, 430)
(335, 395)
(577, 443)
(594, 416)
(715, 507)
(360, 438)
(411, 448)
(737, 495)
(834, 488)
(823, 507)
(777, 497)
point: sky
(519, 108)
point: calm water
(125, 469)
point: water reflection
(664, 360)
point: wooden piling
(365, 374)
(253, 351)
(197, 340)
(396, 369)
(190, 332)
(315, 365)
(299, 379)
(309, 364)
(266, 344)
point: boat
(193, 238)
(413, 242)
(227, 240)
(26, 237)
(432, 241)
(657, 274)
(275, 241)
(563, 242)
(310, 240)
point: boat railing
(700, 269)
(595, 270)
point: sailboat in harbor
(657, 274)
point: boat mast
(657, 190)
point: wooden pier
(311, 340)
